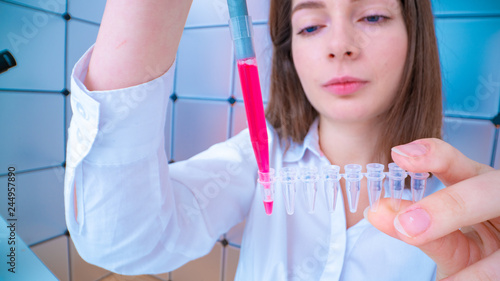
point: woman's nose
(343, 42)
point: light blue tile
(36, 40)
(258, 10)
(198, 125)
(39, 204)
(208, 12)
(264, 53)
(215, 12)
(90, 10)
(239, 119)
(81, 36)
(32, 126)
(451, 7)
(54, 6)
(204, 63)
(469, 57)
(474, 138)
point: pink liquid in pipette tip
(254, 107)
(268, 206)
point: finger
(485, 269)
(383, 218)
(463, 204)
(439, 158)
(432, 224)
(451, 252)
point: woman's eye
(309, 30)
(375, 19)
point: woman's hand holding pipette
(459, 226)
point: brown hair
(414, 114)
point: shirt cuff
(117, 126)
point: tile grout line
(172, 113)
(65, 134)
(223, 262)
(39, 169)
(495, 147)
(26, 6)
(70, 266)
(231, 90)
(46, 240)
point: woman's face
(349, 55)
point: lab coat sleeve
(134, 216)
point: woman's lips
(344, 85)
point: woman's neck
(349, 143)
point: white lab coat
(138, 215)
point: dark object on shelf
(7, 61)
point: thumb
(450, 252)
(433, 223)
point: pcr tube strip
(308, 179)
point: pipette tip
(268, 206)
(266, 183)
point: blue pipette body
(241, 29)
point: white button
(81, 111)
(79, 135)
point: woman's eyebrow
(309, 5)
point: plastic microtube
(418, 183)
(330, 176)
(375, 180)
(397, 183)
(353, 178)
(266, 184)
(289, 178)
(309, 177)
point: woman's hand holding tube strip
(458, 226)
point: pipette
(241, 30)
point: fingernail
(410, 150)
(412, 223)
(365, 212)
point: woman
(345, 76)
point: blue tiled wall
(469, 44)
(48, 36)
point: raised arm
(137, 42)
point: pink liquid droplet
(268, 205)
